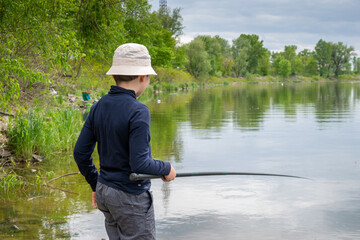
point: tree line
(247, 55)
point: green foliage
(50, 174)
(297, 66)
(241, 63)
(14, 75)
(295, 61)
(179, 59)
(341, 55)
(276, 63)
(284, 68)
(169, 75)
(305, 53)
(356, 63)
(333, 58)
(9, 182)
(249, 55)
(227, 66)
(264, 64)
(44, 133)
(323, 52)
(171, 21)
(213, 49)
(240, 49)
(169, 79)
(42, 40)
(290, 52)
(311, 66)
(255, 50)
(198, 62)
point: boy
(120, 125)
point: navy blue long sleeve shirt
(120, 125)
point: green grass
(45, 133)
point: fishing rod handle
(139, 177)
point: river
(305, 129)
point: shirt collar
(116, 90)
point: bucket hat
(131, 59)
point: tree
(255, 50)
(240, 49)
(227, 67)
(240, 63)
(290, 52)
(305, 53)
(340, 56)
(198, 63)
(264, 64)
(255, 53)
(225, 47)
(356, 65)
(276, 63)
(290, 55)
(226, 59)
(311, 66)
(213, 49)
(296, 66)
(284, 68)
(171, 21)
(179, 59)
(323, 52)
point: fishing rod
(137, 177)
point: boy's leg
(133, 214)
(110, 224)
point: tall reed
(45, 133)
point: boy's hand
(171, 175)
(94, 199)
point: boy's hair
(123, 78)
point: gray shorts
(127, 216)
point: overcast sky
(276, 22)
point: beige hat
(131, 59)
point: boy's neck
(127, 85)
(137, 85)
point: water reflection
(247, 108)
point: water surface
(310, 130)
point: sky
(277, 22)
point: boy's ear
(142, 77)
